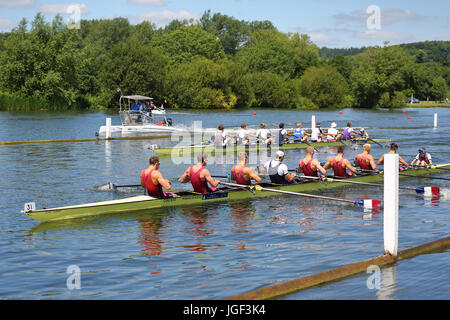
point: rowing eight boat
(180, 151)
(143, 203)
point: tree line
(216, 62)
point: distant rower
(332, 133)
(282, 135)
(393, 150)
(263, 135)
(220, 138)
(317, 134)
(244, 135)
(423, 158)
(199, 176)
(365, 160)
(348, 134)
(242, 174)
(299, 134)
(153, 181)
(310, 166)
(340, 164)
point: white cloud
(319, 37)
(162, 18)
(154, 3)
(16, 3)
(63, 8)
(7, 25)
(388, 16)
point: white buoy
(108, 128)
(435, 120)
(391, 191)
(313, 122)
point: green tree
(187, 43)
(325, 86)
(200, 83)
(379, 70)
(439, 89)
(288, 55)
(135, 68)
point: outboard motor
(169, 122)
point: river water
(216, 250)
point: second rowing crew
(264, 136)
(202, 181)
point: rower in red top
(340, 164)
(200, 177)
(310, 166)
(242, 174)
(153, 181)
(365, 160)
(393, 150)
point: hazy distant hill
(437, 51)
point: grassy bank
(18, 102)
(429, 104)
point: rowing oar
(311, 146)
(113, 186)
(430, 167)
(370, 139)
(368, 203)
(408, 175)
(428, 191)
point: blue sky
(336, 24)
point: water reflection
(242, 213)
(198, 224)
(150, 236)
(388, 282)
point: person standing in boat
(340, 164)
(299, 134)
(242, 174)
(220, 138)
(310, 166)
(423, 158)
(282, 135)
(278, 171)
(263, 135)
(153, 181)
(200, 176)
(393, 150)
(365, 160)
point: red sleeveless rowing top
(153, 190)
(363, 162)
(339, 171)
(197, 183)
(307, 170)
(239, 176)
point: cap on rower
(362, 129)
(421, 150)
(279, 154)
(333, 125)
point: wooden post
(108, 128)
(391, 187)
(435, 120)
